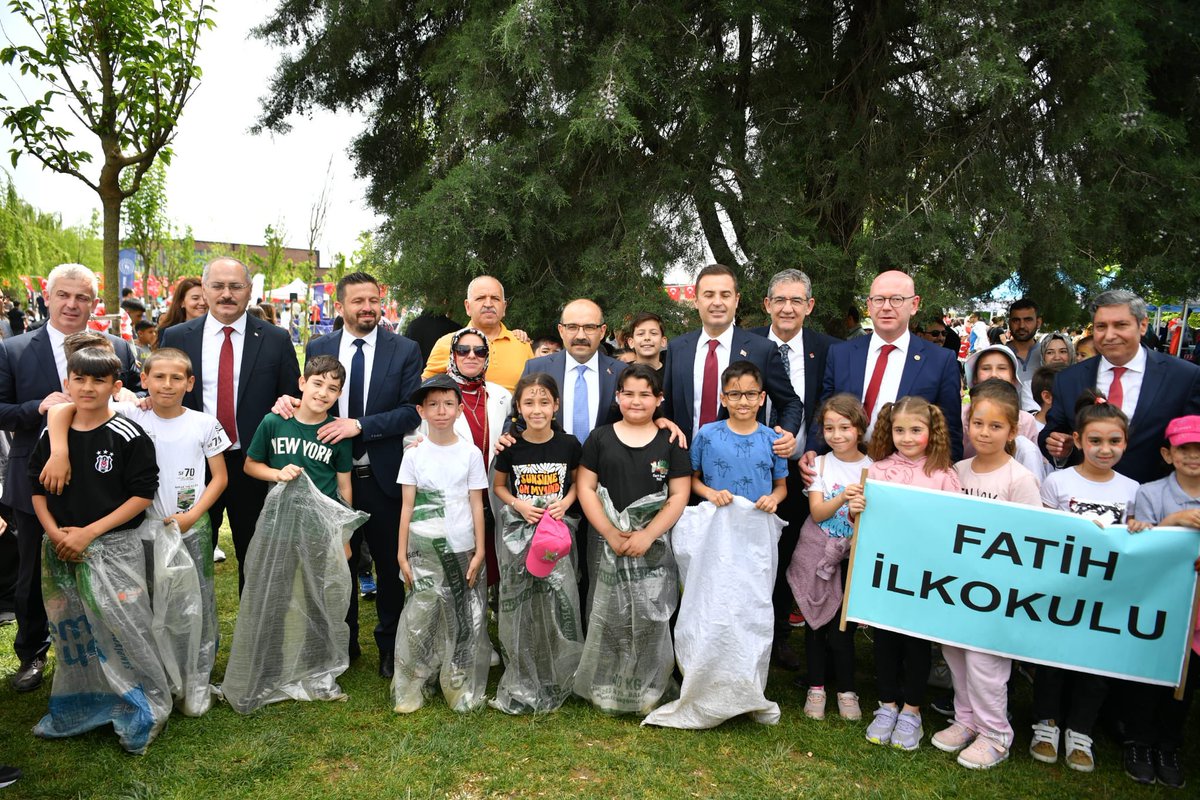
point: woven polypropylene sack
(108, 669)
(443, 628)
(178, 606)
(291, 640)
(627, 657)
(539, 623)
(199, 543)
(727, 561)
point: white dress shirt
(346, 355)
(724, 347)
(1131, 381)
(889, 387)
(210, 361)
(591, 377)
(60, 355)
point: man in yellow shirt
(485, 305)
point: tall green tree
(147, 226)
(124, 69)
(32, 241)
(584, 147)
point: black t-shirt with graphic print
(541, 470)
(631, 473)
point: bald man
(485, 306)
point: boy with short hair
(441, 554)
(544, 346)
(733, 456)
(1042, 387)
(186, 442)
(647, 339)
(145, 335)
(1155, 719)
(99, 513)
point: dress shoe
(387, 665)
(30, 675)
(7, 618)
(782, 655)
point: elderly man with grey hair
(1150, 387)
(241, 365)
(33, 368)
(789, 301)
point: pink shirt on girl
(898, 468)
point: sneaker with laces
(1044, 746)
(814, 704)
(908, 732)
(1167, 768)
(880, 729)
(848, 707)
(953, 738)
(1079, 753)
(1139, 763)
(983, 753)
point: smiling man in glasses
(242, 364)
(891, 363)
(486, 306)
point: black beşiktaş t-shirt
(109, 464)
(631, 473)
(540, 470)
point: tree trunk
(110, 203)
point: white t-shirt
(182, 447)
(1107, 502)
(833, 476)
(444, 476)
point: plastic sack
(539, 624)
(178, 609)
(108, 669)
(727, 561)
(291, 639)
(199, 543)
(627, 657)
(443, 628)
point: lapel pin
(916, 358)
(812, 355)
(741, 352)
(608, 370)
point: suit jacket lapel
(608, 388)
(683, 367)
(43, 352)
(857, 355)
(558, 371)
(250, 350)
(385, 349)
(913, 363)
(1152, 380)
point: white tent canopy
(298, 287)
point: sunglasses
(480, 350)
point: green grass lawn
(360, 749)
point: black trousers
(382, 536)
(1152, 714)
(828, 643)
(33, 638)
(242, 500)
(793, 510)
(1080, 693)
(901, 667)
(10, 559)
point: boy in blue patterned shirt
(733, 456)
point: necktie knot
(581, 369)
(712, 345)
(886, 349)
(228, 331)
(358, 343)
(785, 348)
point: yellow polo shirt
(506, 358)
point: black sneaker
(1167, 768)
(1139, 763)
(943, 703)
(29, 676)
(9, 776)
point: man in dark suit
(789, 301)
(1150, 387)
(695, 361)
(32, 370)
(891, 363)
(383, 370)
(242, 364)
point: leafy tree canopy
(582, 148)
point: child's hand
(557, 509)
(721, 498)
(1136, 525)
(617, 541)
(853, 490)
(858, 504)
(73, 543)
(288, 473)
(184, 519)
(405, 571)
(767, 503)
(56, 474)
(637, 544)
(528, 511)
(473, 569)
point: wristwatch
(358, 425)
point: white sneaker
(1044, 746)
(218, 555)
(1079, 752)
(848, 707)
(494, 660)
(814, 704)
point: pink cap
(1184, 430)
(551, 541)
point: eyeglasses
(233, 287)
(590, 328)
(895, 301)
(780, 302)
(939, 334)
(738, 397)
(480, 350)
